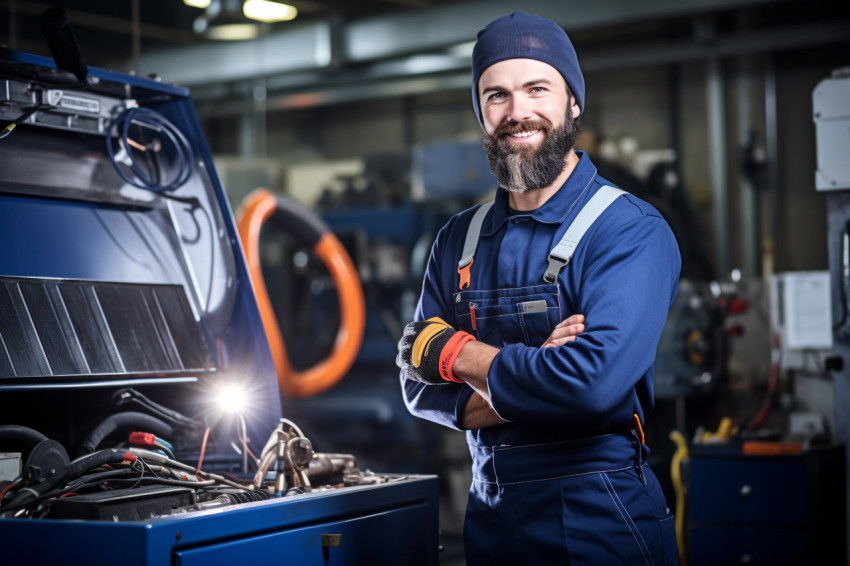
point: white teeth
(524, 134)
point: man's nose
(519, 109)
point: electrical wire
(165, 449)
(194, 204)
(23, 117)
(203, 450)
(773, 379)
(7, 489)
(119, 133)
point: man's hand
(428, 349)
(566, 331)
(477, 413)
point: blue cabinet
(766, 510)
(382, 525)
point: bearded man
(538, 323)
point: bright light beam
(232, 399)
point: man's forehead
(519, 69)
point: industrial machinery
(831, 115)
(141, 413)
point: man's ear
(576, 111)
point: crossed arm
(473, 364)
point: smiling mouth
(522, 135)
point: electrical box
(801, 313)
(832, 131)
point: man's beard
(520, 168)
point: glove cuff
(449, 354)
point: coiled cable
(119, 134)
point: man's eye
(496, 96)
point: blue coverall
(565, 480)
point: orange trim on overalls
(639, 428)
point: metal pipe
(748, 200)
(719, 163)
(772, 142)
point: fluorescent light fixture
(197, 3)
(232, 32)
(268, 11)
(462, 49)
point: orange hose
(255, 210)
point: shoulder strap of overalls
(560, 255)
(470, 243)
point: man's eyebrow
(527, 84)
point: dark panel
(19, 335)
(69, 328)
(91, 329)
(62, 355)
(187, 337)
(5, 361)
(133, 328)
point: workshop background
(361, 111)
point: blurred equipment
(776, 491)
(831, 114)
(261, 206)
(135, 371)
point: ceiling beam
(421, 75)
(306, 45)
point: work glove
(428, 350)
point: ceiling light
(197, 3)
(232, 32)
(268, 11)
(224, 21)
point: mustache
(510, 128)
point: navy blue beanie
(526, 36)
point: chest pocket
(508, 316)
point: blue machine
(126, 307)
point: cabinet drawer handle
(331, 540)
(745, 492)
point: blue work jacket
(623, 277)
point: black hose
(74, 469)
(94, 460)
(130, 419)
(21, 435)
(129, 394)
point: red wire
(6, 490)
(203, 450)
(771, 384)
(244, 444)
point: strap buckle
(556, 264)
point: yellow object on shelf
(679, 456)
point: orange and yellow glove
(428, 349)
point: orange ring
(256, 209)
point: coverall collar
(554, 210)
